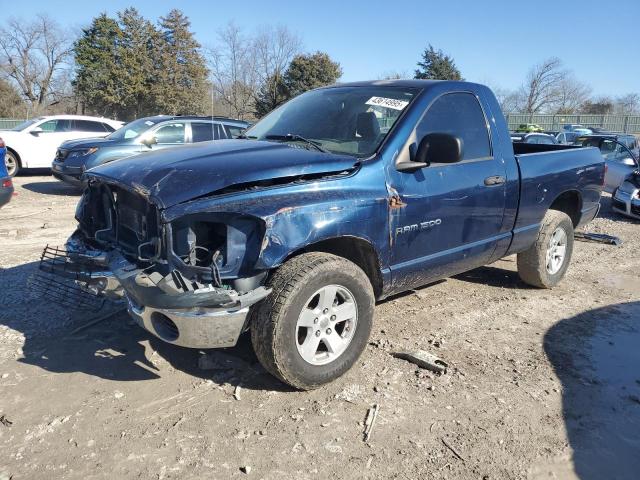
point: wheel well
(9, 149)
(570, 203)
(354, 249)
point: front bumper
(209, 317)
(626, 203)
(67, 174)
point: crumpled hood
(176, 175)
(82, 143)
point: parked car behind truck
(141, 135)
(294, 232)
(620, 153)
(33, 143)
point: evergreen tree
(436, 65)
(11, 105)
(272, 94)
(310, 71)
(138, 66)
(181, 86)
(96, 58)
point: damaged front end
(626, 198)
(190, 282)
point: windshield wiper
(292, 137)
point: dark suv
(142, 135)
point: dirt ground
(541, 384)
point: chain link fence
(6, 123)
(613, 123)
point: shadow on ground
(115, 348)
(494, 277)
(54, 187)
(596, 356)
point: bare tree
(628, 104)
(233, 74)
(541, 88)
(571, 95)
(274, 48)
(34, 56)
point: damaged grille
(64, 282)
(117, 217)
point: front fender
(297, 216)
(291, 229)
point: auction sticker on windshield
(387, 102)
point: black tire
(274, 330)
(532, 263)
(12, 163)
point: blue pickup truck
(339, 198)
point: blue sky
(492, 42)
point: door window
(88, 126)
(233, 131)
(615, 151)
(60, 125)
(172, 133)
(459, 114)
(201, 132)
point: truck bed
(547, 174)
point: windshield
(134, 129)
(347, 120)
(24, 125)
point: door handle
(495, 180)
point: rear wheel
(316, 322)
(545, 263)
(12, 163)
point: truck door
(447, 218)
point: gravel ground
(541, 384)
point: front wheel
(545, 263)
(316, 322)
(12, 163)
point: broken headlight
(225, 246)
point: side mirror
(36, 131)
(629, 162)
(439, 148)
(434, 148)
(150, 141)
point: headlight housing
(83, 153)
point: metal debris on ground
(598, 238)
(236, 392)
(5, 421)
(370, 421)
(424, 360)
(455, 452)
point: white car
(33, 143)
